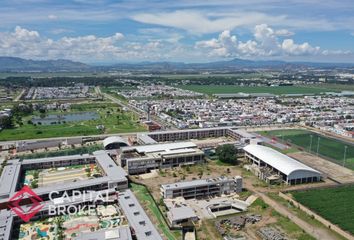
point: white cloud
(52, 17)
(266, 43)
(89, 48)
(284, 33)
(291, 48)
(197, 22)
(29, 44)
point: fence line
(317, 217)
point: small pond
(61, 118)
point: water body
(61, 118)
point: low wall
(317, 217)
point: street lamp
(345, 155)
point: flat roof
(277, 160)
(243, 133)
(195, 183)
(119, 233)
(145, 138)
(181, 212)
(161, 147)
(137, 218)
(9, 178)
(56, 159)
(112, 173)
(111, 169)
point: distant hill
(234, 64)
(14, 64)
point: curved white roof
(114, 139)
(277, 160)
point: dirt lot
(332, 170)
(166, 176)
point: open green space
(215, 89)
(328, 147)
(113, 118)
(147, 201)
(334, 204)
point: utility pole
(318, 144)
(311, 137)
(345, 155)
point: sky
(112, 31)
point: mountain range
(14, 64)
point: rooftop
(160, 147)
(137, 218)
(199, 182)
(281, 162)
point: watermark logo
(34, 205)
(26, 203)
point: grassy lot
(112, 117)
(147, 202)
(214, 89)
(328, 147)
(334, 204)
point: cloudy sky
(107, 31)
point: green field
(334, 204)
(214, 89)
(147, 201)
(328, 147)
(114, 119)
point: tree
(6, 122)
(227, 153)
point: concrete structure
(114, 142)
(201, 188)
(137, 218)
(144, 139)
(114, 177)
(181, 135)
(142, 159)
(180, 215)
(120, 233)
(271, 163)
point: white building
(271, 163)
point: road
(19, 96)
(138, 111)
(318, 233)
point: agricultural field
(80, 120)
(328, 147)
(215, 89)
(334, 204)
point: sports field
(214, 89)
(327, 147)
(334, 204)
